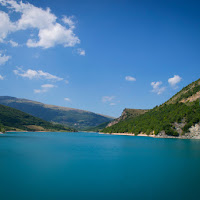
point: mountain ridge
(12, 119)
(77, 118)
(126, 114)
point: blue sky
(101, 56)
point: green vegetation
(160, 118)
(163, 117)
(186, 92)
(14, 120)
(130, 113)
(79, 119)
(98, 128)
(127, 113)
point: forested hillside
(14, 120)
(175, 117)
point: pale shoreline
(123, 134)
(152, 136)
(129, 134)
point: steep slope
(76, 118)
(189, 93)
(16, 120)
(179, 116)
(127, 114)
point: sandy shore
(129, 134)
(153, 136)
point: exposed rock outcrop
(126, 114)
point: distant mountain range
(178, 117)
(12, 119)
(78, 119)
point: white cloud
(36, 74)
(37, 91)
(1, 77)
(107, 98)
(69, 21)
(13, 43)
(54, 35)
(130, 78)
(44, 88)
(67, 99)
(174, 81)
(81, 52)
(113, 104)
(4, 59)
(156, 87)
(50, 32)
(48, 86)
(6, 26)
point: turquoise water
(73, 166)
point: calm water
(90, 166)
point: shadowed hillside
(79, 119)
(15, 120)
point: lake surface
(90, 166)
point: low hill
(79, 119)
(179, 116)
(15, 120)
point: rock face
(126, 114)
(195, 131)
(189, 93)
(179, 127)
(192, 98)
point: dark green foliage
(13, 119)
(98, 128)
(160, 118)
(78, 119)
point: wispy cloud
(1, 77)
(69, 21)
(13, 43)
(66, 81)
(174, 81)
(130, 78)
(4, 59)
(50, 32)
(36, 74)
(67, 99)
(107, 98)
(157, 87)
(44, 88)
(81, 52)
